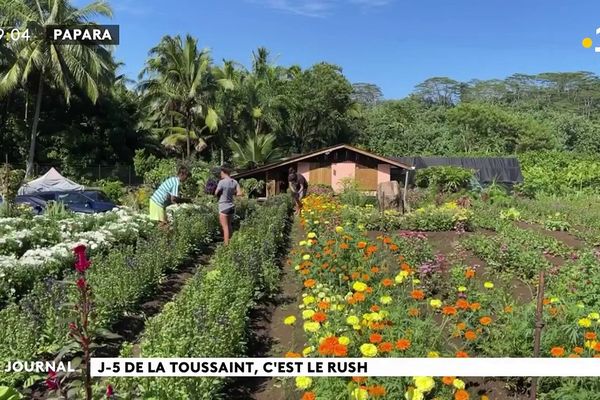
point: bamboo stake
(539, 325)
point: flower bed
(99, 233)
(375, 298)
(209, 317)
(36, 327)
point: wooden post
(539, 325)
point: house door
(366, 177)
(320, 174)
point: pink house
(330, 167)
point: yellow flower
(306, 257)
(344, 340)
(595, 316)
(433, 354)
(401, 277)
(307, 314)
(307, 350)
(359, 286)
(303, 382)
(585, 322)
(457, 383)
(308, 300)
(291, 320)
(339, 229)
(311, 235)
(368, 350)
(484, 397)
(590, 344)
(311, 326)
(360, 394)
(352, 320)
(302, 243)
(416, 281)
(488, 285)
(385, 300)
(462, 289)
(554, 300)
(424, 383)
(414, 394)
(435, 303)
(356, 327)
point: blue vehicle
(87, 201)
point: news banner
(315, 367)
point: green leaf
(212, 120)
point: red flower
(52, 381)
(81, 261)
(81, 283)
(110, 392)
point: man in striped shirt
(166, 194)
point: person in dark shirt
(298, 187)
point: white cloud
(318, 8)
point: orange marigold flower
(309, 396)
(374, 269)
(309, 283)
(590, 335)
(291, 354)
(475, 306)
(376, 391)
(553, 311)
(387, 282)
(557, 351)
(413, 312)
(361, 245)
(375, 338)
(403, 344)
(462, 354)
(578, 350)
(461, 395)
(462, 304)
(405, 267)
(344, 246)
(469, 273)
(387, 240)
(393, 247)
(319, 316)
(359, 379)
(508, 309)
(417, 294)
(470, 335)
(461, 326)
(546, 301)
(485, 321)
(375, 308)
(385, 347)
(448, 310)
(366, 277)
(358, 296)
(597, 347)
(574, 356)
(324, 305)
(340, 350)
(448, 380)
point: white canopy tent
(49, 182)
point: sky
(394, 44)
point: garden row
(209, 318)
(37, 326)
(391, 297)
(34, 249)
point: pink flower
(81, 283)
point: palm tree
(179, 89)
(256, 150)
(50, 65)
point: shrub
(114, 190)
(351, 194)
(252, 186)
(444, 179)
(320, 190)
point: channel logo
(588, 42)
